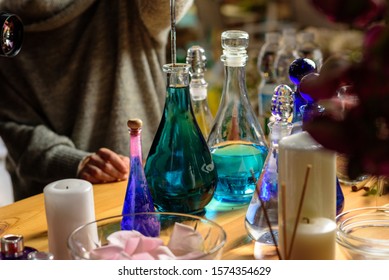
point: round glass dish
(363, 233)
(84, 240)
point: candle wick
(67, 187)
(305, 219)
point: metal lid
(12, 245)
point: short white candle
(69, 203)
(314, 240)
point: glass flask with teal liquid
(179, 167)
(236, 140)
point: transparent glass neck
(177, 74)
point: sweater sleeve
(39, 154)
(156, 15)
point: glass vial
(179, 168)
(12, 248)
(236, 139)
(265, 65)
(198, 89)
(138, 197)
(262, 214)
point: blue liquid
(238, 165)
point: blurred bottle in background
(308, 48)
(265, 65)
(198, 88)
(286, 54)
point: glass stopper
(282, 103)
(234, 44)
(197, 60)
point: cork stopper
(134, 124)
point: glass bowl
(84, 240)
(363, 233)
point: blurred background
(203, 26)
(207, 19)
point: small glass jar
(12, 248)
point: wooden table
(27, 217)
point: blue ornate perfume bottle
(262, 214)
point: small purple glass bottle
(138, 198)
(12, 248)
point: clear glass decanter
(138, 197)
(198, 89)
(262, 214)
(236, 139)
(179, 167)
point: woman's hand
(104, 166)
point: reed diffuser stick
(257, 189)
(283, 201)
(173, 47)
(360, 185)
(309, 167)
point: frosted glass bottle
(236, 139)
(138, 197)
(308, 48)
(262, 214)
(179, 168)
(265, 65)
(198, 89)
(304, 162)
(285, 56)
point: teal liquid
(238, 165)
(179, 168)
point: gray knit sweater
(85, 68)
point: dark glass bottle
(12, 248)
(138, 197)
(179, 167)
(11, 34)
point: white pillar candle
(296, 153)
(314, 239)
(69, 203)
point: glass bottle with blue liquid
(236, 140)
(138, 198)
(179, 168)
(262, 213)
